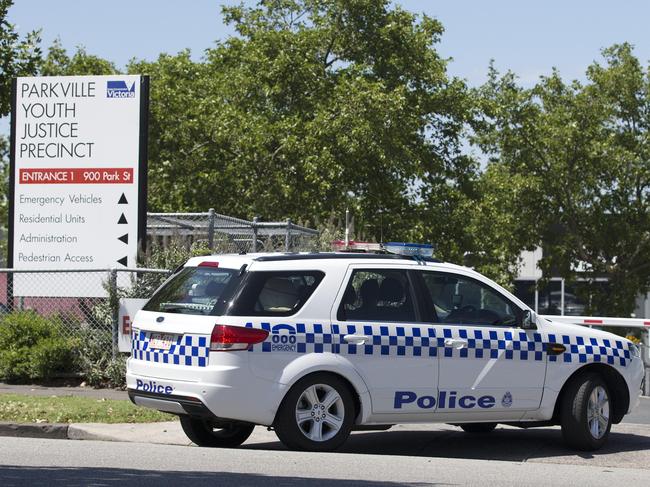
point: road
(61, 462)
(407, 454)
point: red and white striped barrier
(600, 321)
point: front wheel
(316, 414)
(226, 435)
(586, 419)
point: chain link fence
(226, 234)
(77, 301)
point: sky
(528, 37)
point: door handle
(455, 343)
(356, 339)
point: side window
(377, 295)
(461, 300)
(279, 293)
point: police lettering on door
(445, 400)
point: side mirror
(528, 320)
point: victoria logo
(119, 89)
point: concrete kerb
(35, 430)
(169, 433)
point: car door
(487, 363)
(379, 330)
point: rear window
(196, 291)
(275, 293)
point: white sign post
(128, 309)
(78, 178)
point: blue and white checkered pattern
(404, 341)
(311, 338)
(429, 341)
(584, 350)
(191, 350)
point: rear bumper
(226, 391)
(171, 403)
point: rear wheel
(316, 414)
(586, 406)
(222, 435)
(478, 427)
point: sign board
(78, 177)
(128, 308)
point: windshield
(196, 291)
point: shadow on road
(17, 476)
(516, 445)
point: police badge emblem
(506, 402)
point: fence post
(114, 303)
(211, 228)
(646, 361)
(254, 225)
(10, 291)
(287, 238)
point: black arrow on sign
(124, 238)
(122, 220)
(123, 200)
(122, 261)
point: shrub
(95, 359)
(32, 347)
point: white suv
(316, 345)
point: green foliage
(312, 107)
(94, 359)
(33, 347)
(18, 57)
(58, 63)
(575, 157)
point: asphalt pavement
(30, 461)
(406, 454)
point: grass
(18, 408)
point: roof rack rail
(346, 255)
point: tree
(58, 63)
(314, 106)
(579, 156)
(18, 57)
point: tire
(586, 412)
(202, 433)
(478, 428)
(316, 414)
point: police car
(316, 345)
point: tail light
(226, 338)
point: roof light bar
(399, 248)
(410, 249)
(353, 246)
